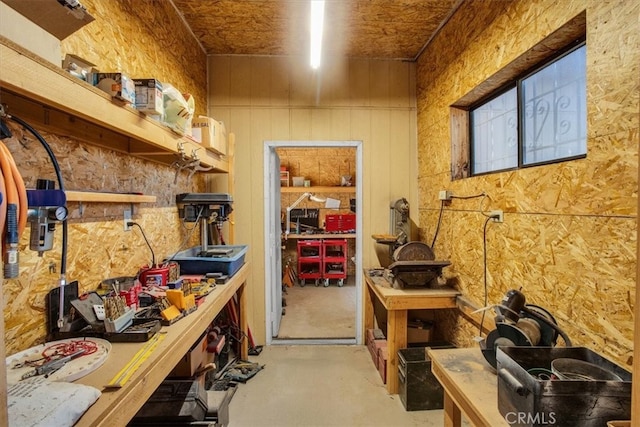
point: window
(538, 119)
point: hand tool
(52, 365)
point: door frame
(270, 223)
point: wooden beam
(470, 312)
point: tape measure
(130, 368)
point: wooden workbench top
(116, 407)
(410, 298)
(470, 382)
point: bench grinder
(520, 324)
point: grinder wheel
(414, 251)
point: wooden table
(116, 407)
(398, 302)
(470, 386)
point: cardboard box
(211, 133)
(419, 332)
(190, 362)
(118, 85)
(149, 96)
(79, 67)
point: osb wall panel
(569, 236)
(98, 248)
(349, 107)
(145, 39)
(322, 166)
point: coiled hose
(13, 211)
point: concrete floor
(318, 385)
(319, 312)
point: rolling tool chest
(334, 260)
(322, 259)
(310, 261)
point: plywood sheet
(569, 236)
(97, 246)
(359, 28)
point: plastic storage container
(418, 387)
(225, 259)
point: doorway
(281, 253)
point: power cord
(489, 216)
(484, 252)
(188, 236)
(453, 196)
(435, 235)
(153, 255)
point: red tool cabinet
(334, 260)
(310, 261)
(322, 259)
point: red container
(340, 222)
(131, 297)
(156, 276)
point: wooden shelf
(318, 189)
(49, 97)
(91, 196)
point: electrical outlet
(127, 219)
(497, 216)
(445, 195)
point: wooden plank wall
(278, 98)
(145, 39)
(569, 232)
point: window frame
(517, 84)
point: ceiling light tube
(317, 24)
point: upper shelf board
(35, 89)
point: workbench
(305, 236)
(116, 407)
(470, 387)
(398, 302)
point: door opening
(322, 293)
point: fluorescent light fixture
(317, 24)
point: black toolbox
(586, 402)
(175, 402)
(418, 387)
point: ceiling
(389, 29)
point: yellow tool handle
(143, 354)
